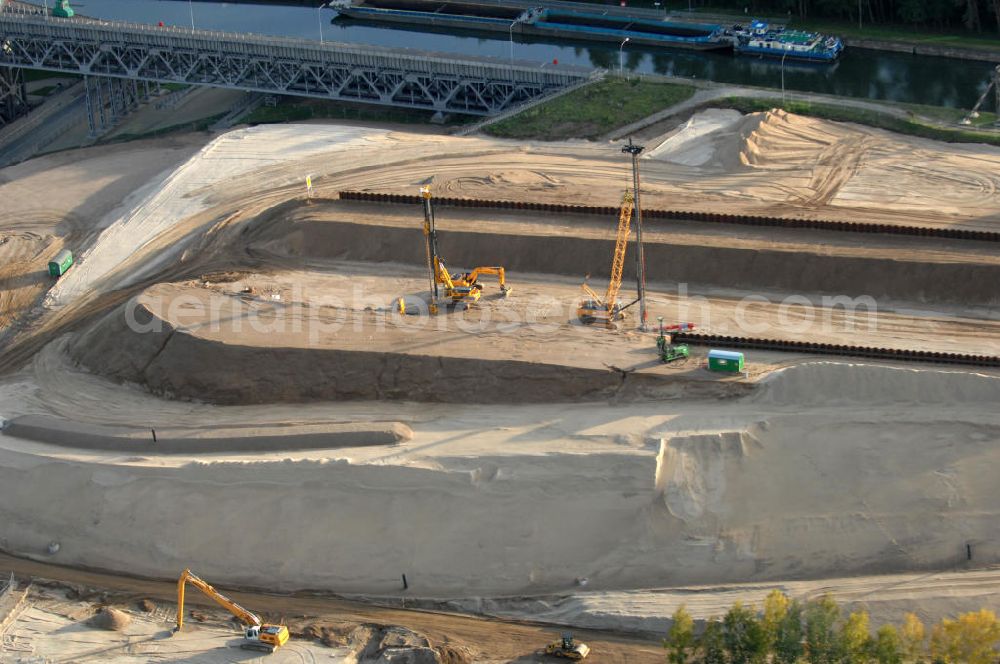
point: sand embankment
(181, 440)
(698, 494)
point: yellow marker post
(309, 186)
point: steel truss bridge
(254, 63)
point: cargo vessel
(761, 39)
(550, 21)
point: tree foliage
(788, 646)
(970, 639)
(680, 638)
(855, 639)
(914, 637)
(888, 647)
(821, 637)
(743, 635)
(712, 644)
(787, 632)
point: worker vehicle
(608, 309)
(462, 287)
(568, 648)
(668, 350)
(257, 635)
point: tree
(913, 636)
(970, 639)
(775, 610)
(821, 639)
(855, 639)
(712, 643)
(680, 638)
(787, 646)
(888, 647)
(744, 636)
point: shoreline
(914, 48)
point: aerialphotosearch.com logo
(312, 317)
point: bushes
(787, 632)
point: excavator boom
(246, 617)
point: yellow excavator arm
(493, 269)
(248, 618)
(441, 274)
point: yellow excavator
(608, 309)
(460, 288)
(257, 635)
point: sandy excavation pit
(540, 455)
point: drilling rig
(608, 309)
(460, 288)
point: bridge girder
(288, 67)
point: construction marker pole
(640, 259)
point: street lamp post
(621, 56)
(319, 19)
(783, 77)
(510, 30)
(191, 10)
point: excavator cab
(267, 638)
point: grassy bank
(592, 110)
(305, 109)
(912, 127)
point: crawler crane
(257, 634)
(460, 288)
(608, 309)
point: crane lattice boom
(621, 245)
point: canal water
(859, 73)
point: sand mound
(111, 619)
(810, 163)
(691, 471)
(703, 138)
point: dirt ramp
(66, 433)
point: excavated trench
(921, 275)
(177, 363)
(180, 364)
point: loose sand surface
(216, 302)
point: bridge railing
(173, 37)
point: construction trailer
(725, 360)
(62, 262)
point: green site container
(725, 360)
(61, 263)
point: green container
(725, 360)
(61, 263)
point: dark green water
(859, 73)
